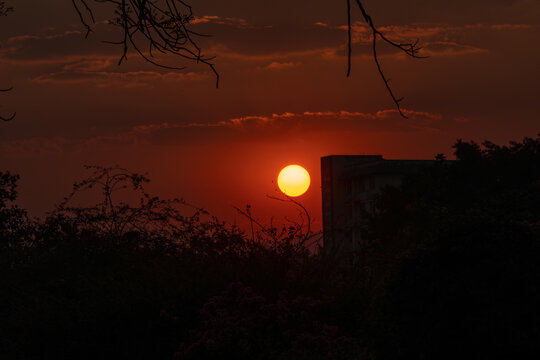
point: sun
(293, 180)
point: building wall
(350, 184)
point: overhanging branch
(410, 49)
(149, 27)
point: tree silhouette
(14, 223)
(456, 251)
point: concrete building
(349, 186)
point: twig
(308, 218)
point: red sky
(283, 97)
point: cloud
(21, 38)
(283, 125)
(88, 65)
(257, 41)
(286, 44)
(224, 52)
(513, 26)
(276, 65)
(33, 147)
(213, 19)
(384, 120)
(435, 40)
(462, 119)
(448, 48)
(235, 39)
(50, 47)
(246, 128)
(73, 75)
(70, 46)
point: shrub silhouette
(240, 324)
(126, 275)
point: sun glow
(293, 180)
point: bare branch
(9, 118)
(410, 49)
(4, 9)
(155, 25)
(81, 16)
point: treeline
(450, 270)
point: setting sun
(293, 180)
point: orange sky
(283, 98)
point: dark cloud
(247, 128)
(460, 12)
(51, 46)
(115, 79)
(383, 11)
(263, 40)
(238, 39)
(276, 65)
(257, 127)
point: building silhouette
(350, 184)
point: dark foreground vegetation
(451, 271)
